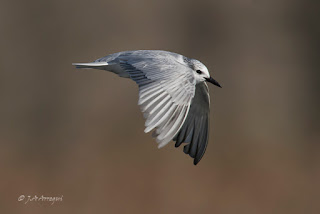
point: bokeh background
(79, 133)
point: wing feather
(195, 128)
(161, 120)
(157, 112)
(170, 86)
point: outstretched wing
(166, 89)
(195, 130)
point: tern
(173, 95)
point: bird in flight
(173, 95)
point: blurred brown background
(79, 133)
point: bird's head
(201, 73)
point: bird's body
(173, 94)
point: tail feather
(95, 65)
(111, 66)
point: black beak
(214, 82)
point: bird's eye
(199, 72)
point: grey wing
(195, 130)
(166, 89)
(112, 61)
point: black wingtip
(177, 144)
(195, 162)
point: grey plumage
(172, 95)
